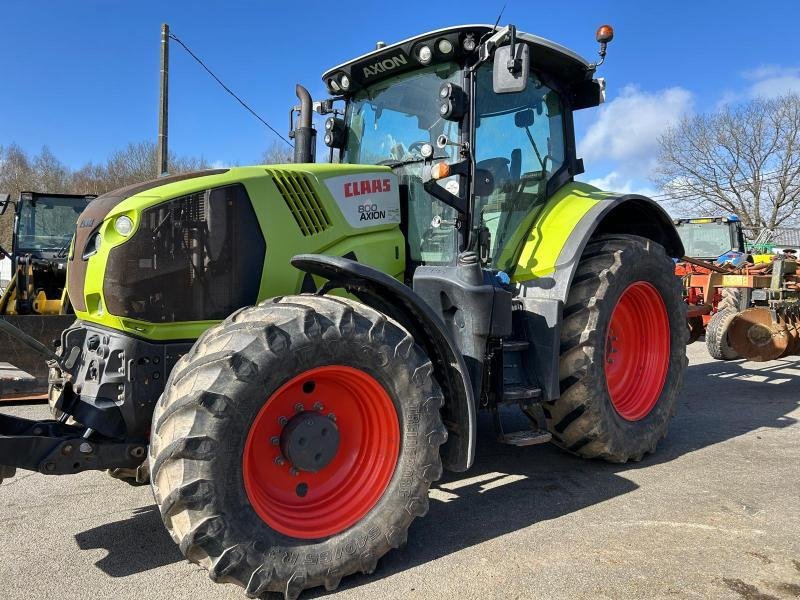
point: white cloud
(628, 127)
(766, 81)
(616, 182)
(776, 82)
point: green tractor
(293, 353)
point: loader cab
(476, 151)
(44, 224)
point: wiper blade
(393, 164)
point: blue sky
(82, 76)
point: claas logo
(367, 186)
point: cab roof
(560, 62)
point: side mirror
(510, 71)
(5, 200)
(524, 118)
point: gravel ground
(715, 513)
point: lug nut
(280, 461)
(67, 449)
(299, 407)
(332, 416)
(283, 420)
(318, 406)
(85, 448)
(294, 471)
(274, 440)
(50, 466)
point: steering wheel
(417, 146)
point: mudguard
(398, 301)
(553, 247)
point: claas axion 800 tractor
(297, 351)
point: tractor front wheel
(296, 443)
(623, 351)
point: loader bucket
(46, 329)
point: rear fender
(389, 296)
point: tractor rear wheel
(296, 443)
(717, 335)
(623, 351)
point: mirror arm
(486, 49)
(514, 64)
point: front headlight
(92, 245)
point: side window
(518, 134)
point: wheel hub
(637, 351)
(321, 451)
(310, 441)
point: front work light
(425, 55)
(123, 225)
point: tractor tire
(233, 470)
(734, 299)
(623, 351)
(717, 335)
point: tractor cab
(709, 238)
(475, 122)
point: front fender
(389, 296)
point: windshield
(388, 123)
(48, 222)
(705, 240)
(519, 145)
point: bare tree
(278, 153)
(45, 173)
(742, 160)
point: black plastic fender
(386, 294)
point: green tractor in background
(303, 348)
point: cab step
(520, 393)
(515, 345)
(526, 437)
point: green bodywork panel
(534, 248)
(540, 238)
(380, 246)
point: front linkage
(113, 434)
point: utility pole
(163, 103)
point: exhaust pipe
(305, 137)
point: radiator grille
(302, 200)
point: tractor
(35, 299)
(293, 353)
(707, 240)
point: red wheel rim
(637, 351)
(342, 492)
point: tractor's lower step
(517, 393)
(515, 345)
(526, 437)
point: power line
(227, 89)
